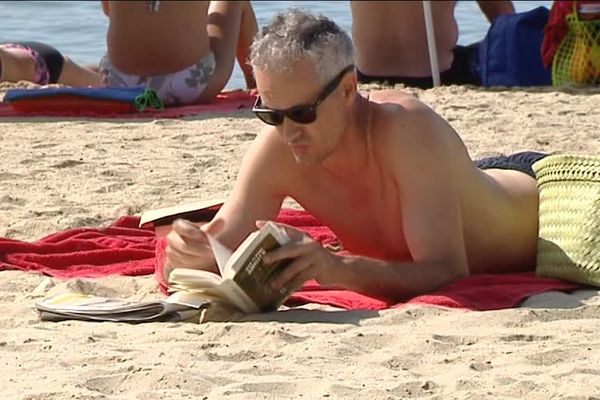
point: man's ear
(349, 87)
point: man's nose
(290, 130)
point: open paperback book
(244, 279)
(85, 307)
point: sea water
(78, 28)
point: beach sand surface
(58, 174)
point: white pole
(435, 68)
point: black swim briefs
(518, 162)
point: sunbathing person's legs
(248, 29)
(74, 74)
(42, 64)
(231, 29)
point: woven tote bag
(569, 218)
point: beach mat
(108, 103)
(124, 249)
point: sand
(62, 173)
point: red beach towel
(124, 249)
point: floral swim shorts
(181, 87)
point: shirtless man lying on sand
(389, 176)
(183, 50)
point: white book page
(233, 264)
(222, 253)
(193, 278)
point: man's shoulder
(269, 140)
(403, 128)
(266, 165)
(397, 105)
(269, 149)
(397, 113)
(392, 96)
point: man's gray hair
(296, 35)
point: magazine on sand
(86, 307)
(244, 282)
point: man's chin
(309, 158)
(303, 160)
(300, 153)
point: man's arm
(389, 281)
(495, 8)
(255, 196)
(432, 225)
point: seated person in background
(42, 64)
(183, 50)
(388, 175)
(391, 42)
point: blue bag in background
(510, 53)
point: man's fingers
(184, 245)
(188, 245)
(178, 260)
(290, 250)
(294, 234)
(187, 229)
(294, 275)
(288, 273)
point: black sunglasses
(304, 114)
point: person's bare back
(391, 42)
(184, 50)
(148, 43)
(390, 37)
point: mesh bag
(569, 218)
(577, 60)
